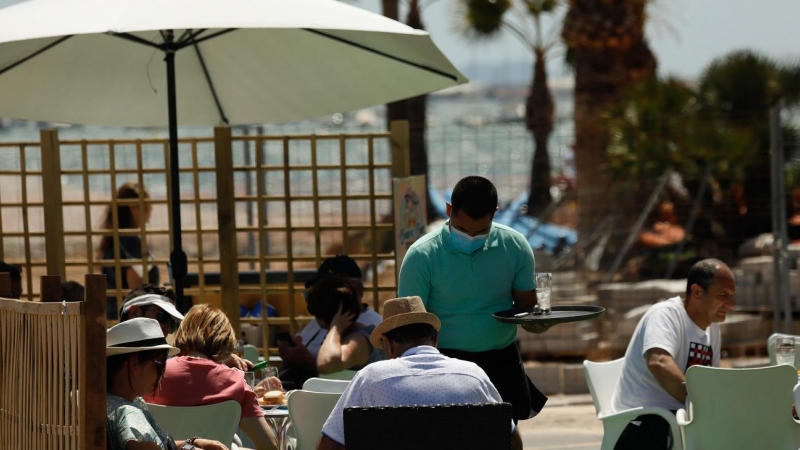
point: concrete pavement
(568, 422)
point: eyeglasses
(163, 317)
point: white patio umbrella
(227, 62)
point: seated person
(72, 291)
(672, 336)
(136, 355)
(16, 279)
(197, 376)
(415, 374)
(158, 302)
(334, 304)
(300, 357)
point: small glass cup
(544, 285)
(250, 379)
(785, 350)
(269, 371)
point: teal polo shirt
(464, 290)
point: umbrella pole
(177, 258)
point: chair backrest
(465, 427)
(771, 348)
(341, 375)
(741, 408)
(251, 353)
(308, 411)
(217, 421)
(323, 385)
(602, 379)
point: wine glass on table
(785, 350)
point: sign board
(409, 214)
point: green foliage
(485, 17)
(537, 7)
(660, 124)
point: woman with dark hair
(334, 302)
(136, 356)
(130, 215)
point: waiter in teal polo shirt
(467, 271)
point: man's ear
(448, 209)
(387, 346)
(696, 290)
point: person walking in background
(465, 272)
(415, 374)
(197, 376)
(136, 354)
(672, 336)
(130, 216)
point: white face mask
(466, 243)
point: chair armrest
(631, 414)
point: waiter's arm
(524, 299)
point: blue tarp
(547, 237)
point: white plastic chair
(602, 380)
(308, 411)
(740, 409)
(250, 353)
(324, 385)
(217, 421)
(771, 348)
(341, 375)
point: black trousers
(505, 370)
(649, 432)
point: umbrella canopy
(237, 61)
(227, 62)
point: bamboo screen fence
(52, 369)
(263, 209)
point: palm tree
(414, 109)
(609, 52)
(740, 88)
(522, 18)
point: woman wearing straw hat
(136, 354)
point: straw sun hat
(136, 335)
(398, 312)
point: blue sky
(686, 35)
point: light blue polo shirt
(465, 290)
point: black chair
(437, 427)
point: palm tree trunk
(416, 109)
(539, 113)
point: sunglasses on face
(163, 318)
(161, 366)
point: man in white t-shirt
(300, 356)
(672, 336)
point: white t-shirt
(665, 325)
(313, 336)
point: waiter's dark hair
(476, 196)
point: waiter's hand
(537, 328)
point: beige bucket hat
(398, 312)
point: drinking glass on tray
(785, 350)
